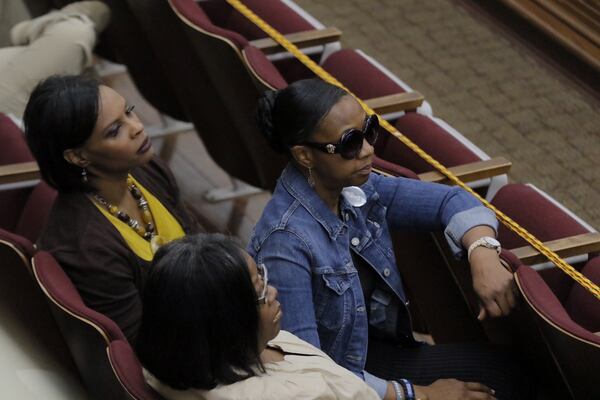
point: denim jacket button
(355, 241)
(360, 309)
(386, 272)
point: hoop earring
(84, 177)
(311, 179)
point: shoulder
(283, 216)
(76, 230)
(291, 343)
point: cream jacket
(311, 375)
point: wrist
(421, 392)
(486, 242)
(398, 392)
(482, 253)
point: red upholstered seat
(438, 139)
(393, 169)
(575, 349)
(277, 13)
(550, 220)
(581, 305)
(24, 206)
(128, 371)
(351, 64)
(239, 73)
(63, 294)
(86, 332)
(428, 134)
(25, 318)
(13, 150)
(35, 211)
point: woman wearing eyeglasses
(325, 236)
(211, 330)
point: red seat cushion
(548, 222)
(363, 79)
(583, 306)
(35, 211)
(275, 12)
(429, 136)
(13, 150)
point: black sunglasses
(351, 141)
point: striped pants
(469, 362)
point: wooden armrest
(467, 172)
(395, 102)
(472, 171)
(300, 39)
(12, 173)
(565, 247)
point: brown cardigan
(107, 273)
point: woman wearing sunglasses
(325, 235)
(211, 330)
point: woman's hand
(493, 283)
(452, 389)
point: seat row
(229, 63)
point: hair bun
(264, 120)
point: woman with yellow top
(117, 202)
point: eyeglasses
(351, 141)
(264, 275)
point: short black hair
(61, 114)
(289, 116)
(200, 319)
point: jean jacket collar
(297, 186)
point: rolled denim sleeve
(377, 384)
(463, 221)
(425, 206)
(288, 261)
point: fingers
(480, 396)
(500, 303)
(479, 391)
(515, 290)
(511, 299)
(503, 304)
(492, 308)
(478, 387)
(482, 314)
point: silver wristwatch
(485, 241)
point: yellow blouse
(167, 227)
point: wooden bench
(573, 23)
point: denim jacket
(306, 249)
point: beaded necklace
(146, 231)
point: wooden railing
(573, 23)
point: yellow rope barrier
(512, 225)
